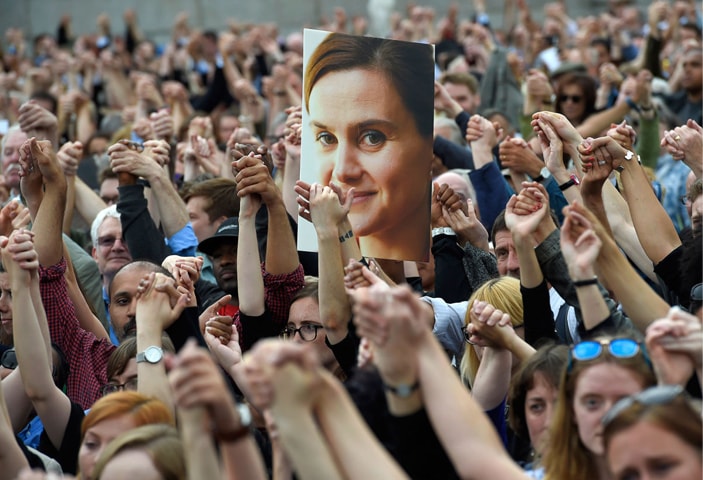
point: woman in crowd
(150, 451)
(598, 374)
(576, 97)
(369, 107)
(665, 425)
(533, 396)
(112, 416)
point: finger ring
(601, 162)
(677, 137)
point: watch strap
(443, 231)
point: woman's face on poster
(366, 138)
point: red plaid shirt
(86, 354)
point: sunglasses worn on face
(618, 348)
(573, 98)
(658, 395)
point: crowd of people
(160, 320)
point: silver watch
(151, 355)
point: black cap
(227, 230)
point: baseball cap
(229, 229)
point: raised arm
(327, 215)
(308, 450)
(641, 303)
(458, 421)
(197, 384)
(281, 251)
(52, 405)
(12, 460)
(580, 250)
(44, 169)
(159, 304)
(250, 284)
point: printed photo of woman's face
(362, 130)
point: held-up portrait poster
(367, 129)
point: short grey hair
(10, 131)
(110, 211)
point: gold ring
(677, 137)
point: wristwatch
(403, 390)
(543, 175)
(151, 355)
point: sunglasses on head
(617, 348)
(573, 98)
(659, 395)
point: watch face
(153, 354)
(404, 390)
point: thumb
(372, 278)
(349, 199)
(222, 302)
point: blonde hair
(159, 441)
(504, 294)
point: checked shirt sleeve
(87, 355)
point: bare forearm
(335, 310)
(153, 381)
(251, 283)
(48, 224)
(70, 204)
(492, 378)
(641, 303)
(654, 228)
(198, 446)
(291, 173)
(87, 202)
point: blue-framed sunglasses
(617, 347)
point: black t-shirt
(67, 453)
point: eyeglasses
(307, 331)
(573, 98)
(9, 359)
(659, 395)
(108, 242)
(130, 384)
(618, 348)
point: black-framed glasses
(130, 385)
(9, 359)
(659, 395)
(573, 98)
(617, 347)
(307, 331)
